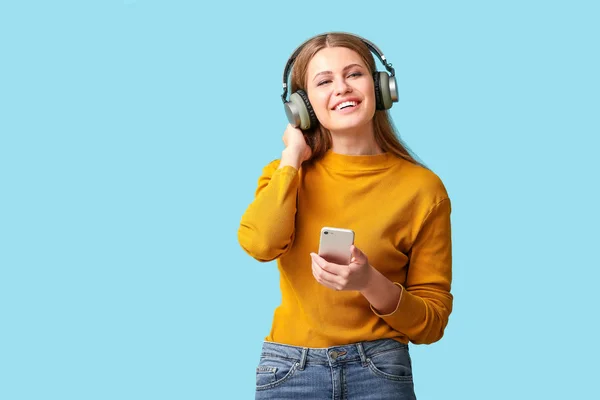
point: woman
(342, 331)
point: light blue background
(132, 134)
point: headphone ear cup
(299, 111)
(385, 90)
(378, 102)
(312, 117)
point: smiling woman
(344, 64)
(343, 95)
(343, 331)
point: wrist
(292, 157)
(369, 281)
(381, 293)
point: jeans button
(334, 354)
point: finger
(324, 278)
(330, 267)
(318, 259)
(325, 275)
(323, 271)
(339, 271)
(316, 271)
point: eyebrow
(347, 67)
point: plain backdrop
(132, 135)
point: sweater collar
(347, 162)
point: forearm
(382, 293)
(421, 315)
(267, 227)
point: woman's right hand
(296, 149)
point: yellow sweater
(400, 213)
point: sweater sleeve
(267, 227)
(425, 302)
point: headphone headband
(370, 46)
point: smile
(346, 104)
(346, 107)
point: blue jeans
(380, 370)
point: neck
(356, 141)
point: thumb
(357, 254)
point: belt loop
(303, 358)
(361, 353)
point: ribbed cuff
(397, 305)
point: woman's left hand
(354, 276)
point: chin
(347, 123)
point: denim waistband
(331, 355)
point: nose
(341, 87)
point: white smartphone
(335, 243)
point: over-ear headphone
(298, 109)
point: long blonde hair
(318, 137)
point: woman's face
(340, 89)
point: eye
(323, 82)
(355, 75)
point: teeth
(345, 104)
